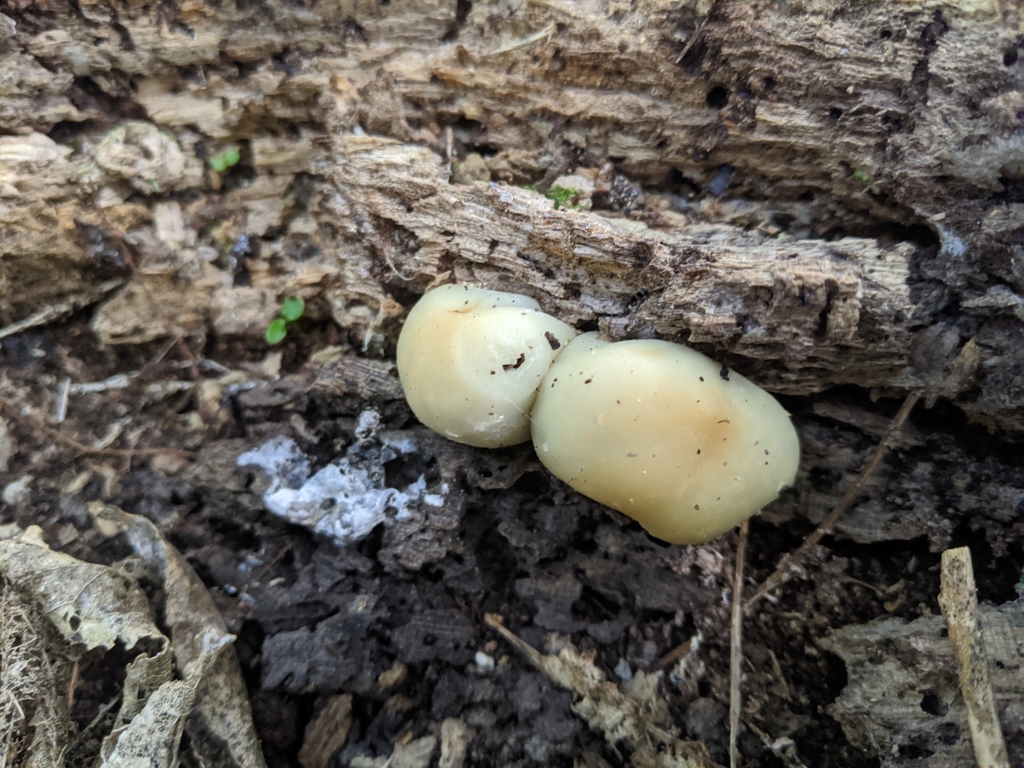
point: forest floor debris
(59, 613)
(618, 715)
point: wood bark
(819, 192)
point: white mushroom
(471, 362)
(663, 434)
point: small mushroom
(663, 434)
(471, 362)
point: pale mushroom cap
(652, 429)
(471, 361)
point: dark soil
(314, 620)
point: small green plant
(291, 310)
(226, 159)
(863, 177)
(563, 197)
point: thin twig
(959, 603)
(46, 315)
(42, 317)
(526, 42)
(117, 381)
(102, 713)
(60, 411)
(736, 645)
(672, 656)
(786, 565)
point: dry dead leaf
(221, 720)
(59, 608)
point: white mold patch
(348, 498)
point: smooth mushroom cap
(471, 361)
(656, 431)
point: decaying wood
(898, 120)
(959, 603)
(819, 312)
(903, 694)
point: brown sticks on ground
(959, 604)
(736, 646)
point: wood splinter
(959, 604)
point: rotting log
(827, 121)
(828, 312)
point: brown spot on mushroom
(516, 365)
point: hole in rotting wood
(834, 114)
(1009, 57)
(681, 186)
(831, 291)
(717, 97)
(469, 136)
(66, 131)
(885, 34)
(933, 705)
(462, 9)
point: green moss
(562, 197)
